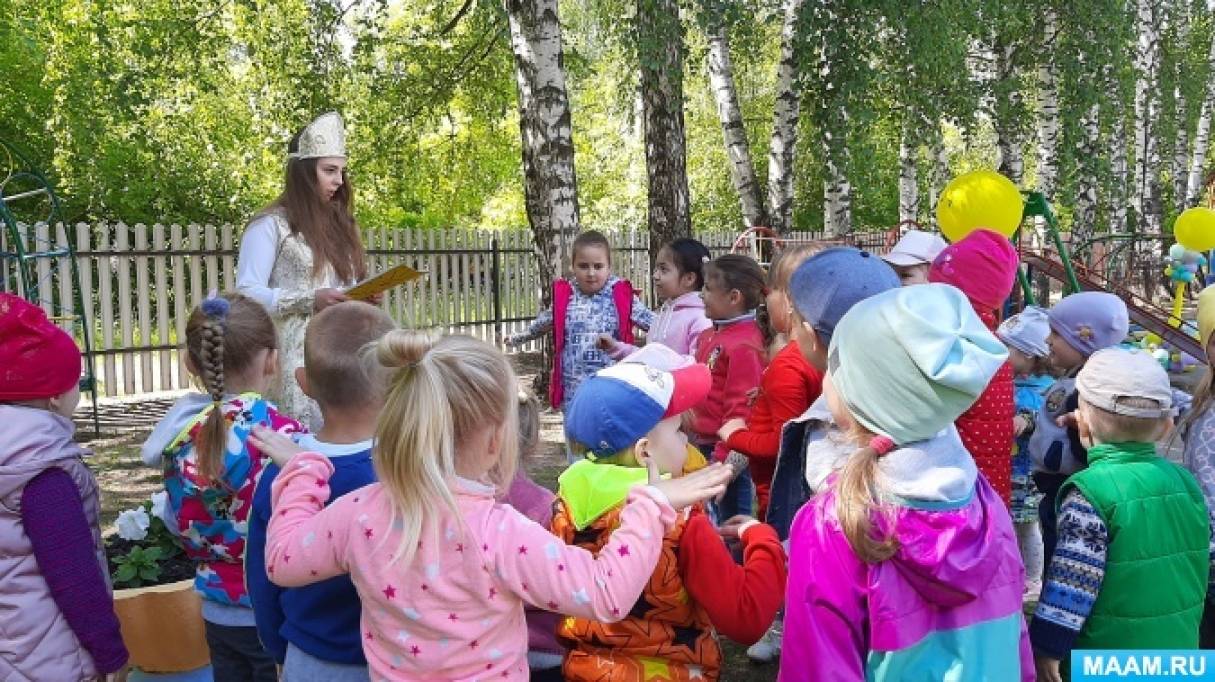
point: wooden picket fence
(139, 284)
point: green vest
(1158, 556)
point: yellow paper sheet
(382, 282)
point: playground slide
(1142, 312)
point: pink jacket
(456, 611)
(946, 605)
(38, 644)
(678, 323)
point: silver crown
(323, 137)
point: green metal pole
(1022, 278)
(1036, 205)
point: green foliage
(143, 562)
(140, 565)
(170, 111)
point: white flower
(159, 500)
(133, 524)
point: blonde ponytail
(856, 501)
(442, 391)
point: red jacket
(789, 385)
(987, 427)
(563, 291)
(734, 353)
(741, 601)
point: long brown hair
(223, 336)
(328, 227)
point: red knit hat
(983, 264)
(37, 358)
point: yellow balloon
(1195, 229)
(979, 199)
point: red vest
(563, 293)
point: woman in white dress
(302, 251)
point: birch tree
(1048, 107)
(660, 53)
(909, 187)
(725, 94)
(785, 113)
(549, 182)
(1179, 171)
(1202, 134)
(1145, 184)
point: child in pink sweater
(444, 570)
(678, 279)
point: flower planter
(162, 627)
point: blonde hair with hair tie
(442, 392)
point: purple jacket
(946, 605)
(37, 641)
(677, 325)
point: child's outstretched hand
(1048, 669)
(686, 491)
(733, 527)
(279, 448)
(606, 342)
(730, 427)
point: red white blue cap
(618, 405)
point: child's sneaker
(767, 649)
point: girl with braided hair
(211, 469)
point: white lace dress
(275, 269)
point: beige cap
(915, 248)
(1112, 375)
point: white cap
(915, 248)
(1112, 375)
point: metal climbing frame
(27, 200)
(1112, 272)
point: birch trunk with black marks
(1048, 109)
(938, 158)
(1179, 172)
(1202, 135)
(909, 188)
(738, 149)
(1145, 184)
(837, 194)
(1120, 199)
(550, 185)
(660, 51)
(1084, 221)
(784, 121)
(1011, 162)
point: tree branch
(451, 25)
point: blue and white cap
(618, 405)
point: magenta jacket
(946, 605)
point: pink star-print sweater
(455, 612)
